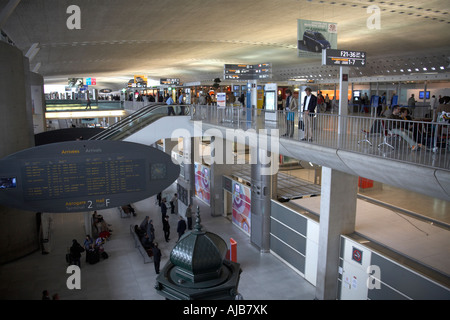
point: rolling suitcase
(92, 257)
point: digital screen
(271, 101)
(422, 94)
(75, 82)
(247, 71)
(6, 183)
(90, 176)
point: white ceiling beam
(7, 11)
(34, 49)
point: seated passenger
(99, 244)
(139, 232)
(87, 242)
(151, 230)
(131, 210)
(146, 242)
(403, 129)
(144, 223)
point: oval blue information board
(86, 175)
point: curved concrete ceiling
(192, 40)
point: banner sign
(315, 36)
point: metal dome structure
(198, 269)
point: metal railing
(420, 142)
(140, 119)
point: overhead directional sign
(349, 58)
(79, 176)
(247, 71)
(171, 81)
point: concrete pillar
(187, 177)
(261, 194)
(343, 105)
(169, 145)
(18, 228)
(218, 168)
(38, 102)
(337, 216)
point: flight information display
(172, 81)
(248, 71)
(84, 175)
(47, 178)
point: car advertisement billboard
(315, 36)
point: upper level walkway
(369, 147)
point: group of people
(101, 227)
(180, 101)
(404, 129)
(94, 250)
(309, 108)
(182, 225)
(146, 234)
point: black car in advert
(315, 41)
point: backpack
(320, 100)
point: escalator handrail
(143, 112)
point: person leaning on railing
(403, 129)
(290, 107)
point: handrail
(372, 136)
(359, 134)
(138, 120)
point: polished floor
(124, 276)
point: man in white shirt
(309, 105)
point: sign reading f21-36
(337, 57)
(79, 176)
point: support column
(19, 233)
(337, 216)
(188, 179)
(218, 168)
(343, 105)
(261, 193)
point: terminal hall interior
(281, 117)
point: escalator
(140, 120)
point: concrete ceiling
(192, 40)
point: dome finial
(198, 226)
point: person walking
(174, 204)
(156, 257)
(166, 228)
(412, 104)
(88, 105)
(181, 228)
(163, 209)
(169, 102)
(159, 198)
(189, 216)
(75, 252)
(181, 103)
